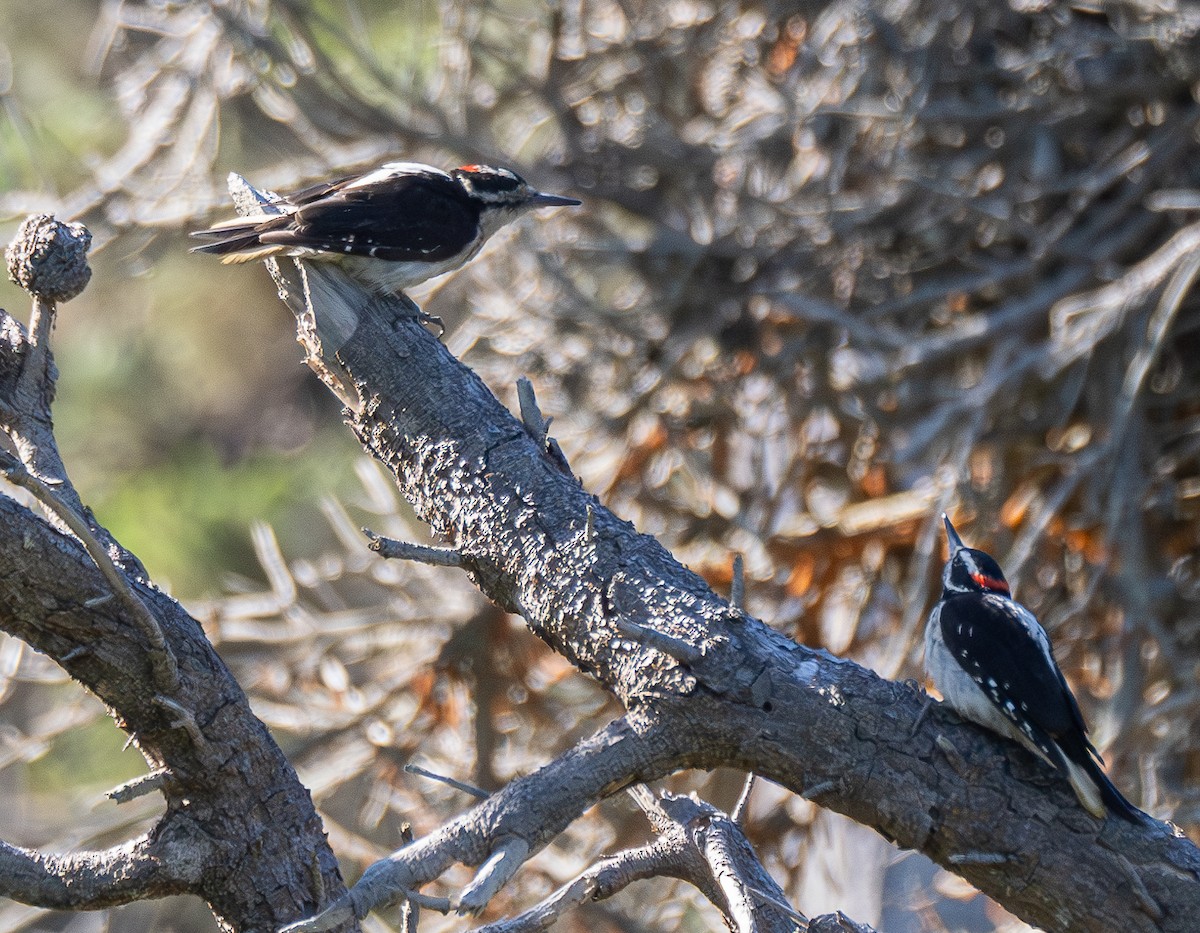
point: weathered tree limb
(238, 830)
(533, 809)
(49, 260)
(155, 865)
(536, 543)
(696, 843)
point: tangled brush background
(841, 266)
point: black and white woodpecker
(390, 228)
(993, 664)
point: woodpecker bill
(391, 228)
(993, 664)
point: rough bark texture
(746, 697)
(705, 684)
(239, 830)
(256, 843)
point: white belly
(387, 278)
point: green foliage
(188, 516)
(85, 761)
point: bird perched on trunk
(391, 228)
(993, 664)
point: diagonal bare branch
(745, 696)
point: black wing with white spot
(1004, 650)
(394, 216)
(400, 218)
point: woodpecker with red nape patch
(993, 664)
(391, 228)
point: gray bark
(622, 609)
(238, 829)
(704, 684)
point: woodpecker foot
(412, 313)
(925, 708)
(425, 318)
(955, 757)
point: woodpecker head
(969, 570)
(498, 188)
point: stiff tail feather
(1097, 793)
(238, 239)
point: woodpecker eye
(991, 583)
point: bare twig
(539, 426)
(979, 858)
(738, 813)
(406, 550)
(531, 414)
(650, 805)
(677, 648)
(185, 719)
(493, 874)
(160, 656)
(737, 589)
(36, 369)
(439, 905)
(138, 786)
(459, 785)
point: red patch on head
(470, 168)
(991, 583)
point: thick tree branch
(239, 829)
(156, 865)
(537, 543)
(166, 671)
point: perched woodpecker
(391, 228)
(993, 664)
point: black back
(986, 632)
(401, 218)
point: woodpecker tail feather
(238, 249)
(1096, 792)
(244, 254)
(1113, 798)
(239, 239)
(1085, 788)
(229, 237)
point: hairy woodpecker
(993, 664)
(391, 228)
